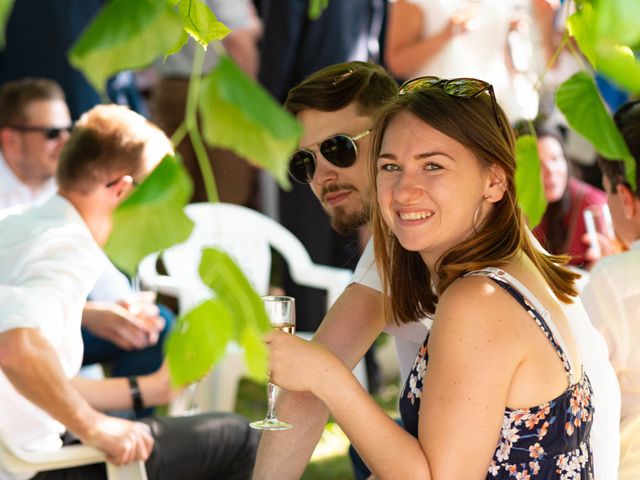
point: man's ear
(629, 200)
(7, 138)
(497, 184)
(119, 189)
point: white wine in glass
(281, 311)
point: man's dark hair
(627, 120)
(16, 95)
(336, 86)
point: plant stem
(191, 126)
(179, 134)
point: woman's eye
(388, 167)
(432, 166)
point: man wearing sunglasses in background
(335, 107)
(34, 126)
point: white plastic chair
(18, 461)
(247, 236)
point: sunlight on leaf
(580, 25)
(125, 34)
(240, 115)
(198, 340)
(255, 354)
(152, 218)
(618, 21)
(221, 274)
(201, 22)
(619, 64)
(578, 99)
(5, 12)
(528, 180)
(316, 7)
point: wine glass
(281, 311)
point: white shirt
(480, 52)
(612, 300)
(408, 337)
(14, 192)
(605, 433)
(48, 263)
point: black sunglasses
(113, 182)
(340, 150)
(50, 132)
(456, 87)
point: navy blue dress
(548, 441)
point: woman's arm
(406, 50)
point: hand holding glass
(597, 221)
(281, 311)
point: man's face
(343, 192)
(37, 155)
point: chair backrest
(18, 461)
(247, 236)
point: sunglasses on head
(340, 150)
(456, 87)
(50, 132)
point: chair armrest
(17, 460)
(332, 279)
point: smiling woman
(500, 360)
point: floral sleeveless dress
(548, 441)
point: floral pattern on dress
(548, 441)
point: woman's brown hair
(409, 295)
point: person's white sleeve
(607, 314)
(112, 286)
(62, 267)
(366, 271)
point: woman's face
(555, 171)
(429, 187)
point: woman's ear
(496, 185)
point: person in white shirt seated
(34, 126)
(50, 258)
(612, 296)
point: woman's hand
(299, 365)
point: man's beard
(343, 222)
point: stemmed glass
(281, 311)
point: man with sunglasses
(336, 105)
(34, 126)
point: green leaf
(198, 340)
(182, 41)
(255, 354)
(578, 99)
(619, 64)
(201, 22)
(316, 7)
(240, 115)
(220, 273)
(151, 218)
(617, 21)
(528, 180)
(125, 34)
(581, 27)
(5, 12)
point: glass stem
(272, 391)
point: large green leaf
(618, 21)
(580, 102)
(125, 34)
(619, 64)
(240, 115)
(5, 11)
(528, 180)
(255, 354)
(198, 341)
(201, 22)
(151, 218)
(220, 273)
